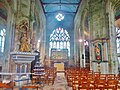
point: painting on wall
(98, 52)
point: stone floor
(59, 84)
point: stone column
(99, 36)
(112, 48)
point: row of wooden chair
(9, 85)
(81, 78)
(46, 78)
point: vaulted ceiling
(66, 6)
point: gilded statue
(24, 46)
(24, 37)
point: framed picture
(98, 51)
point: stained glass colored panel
(60, 39)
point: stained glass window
(59, 39)
(2, 39)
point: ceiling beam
(61, 12)
(78, 6)
(60, 3)
(42, 6)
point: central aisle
(59, 84)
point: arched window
(59, 39)
(118, 39)
(2, 39)
(118, 42)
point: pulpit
(23, 65)
(23, 61)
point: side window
(118, 39)
(2, 39)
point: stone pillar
(112, 48)
(99, 36)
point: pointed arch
(59, 39)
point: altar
(59, 66)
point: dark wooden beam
(60, 11)
(78, 6)
(60, 3)
(42, 6)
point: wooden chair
(92, 81)
(43, 78)
(100, 83)
(103, 76)
(75, 82)
(34, 79)
(30, 87)
(4, 85)
(51, 77)
(69, 80)
(111, 76)
(84, 85)
(112, 84)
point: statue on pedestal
(24, 36)
(24, 44)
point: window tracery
(59, 39)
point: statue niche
(24, 36)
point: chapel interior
(74, 41)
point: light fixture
(80, 40)
(59, 17)
(38, 40)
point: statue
(24, 36)
(24, 46)
(98, 53)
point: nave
(73, 78)
(78, 37)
